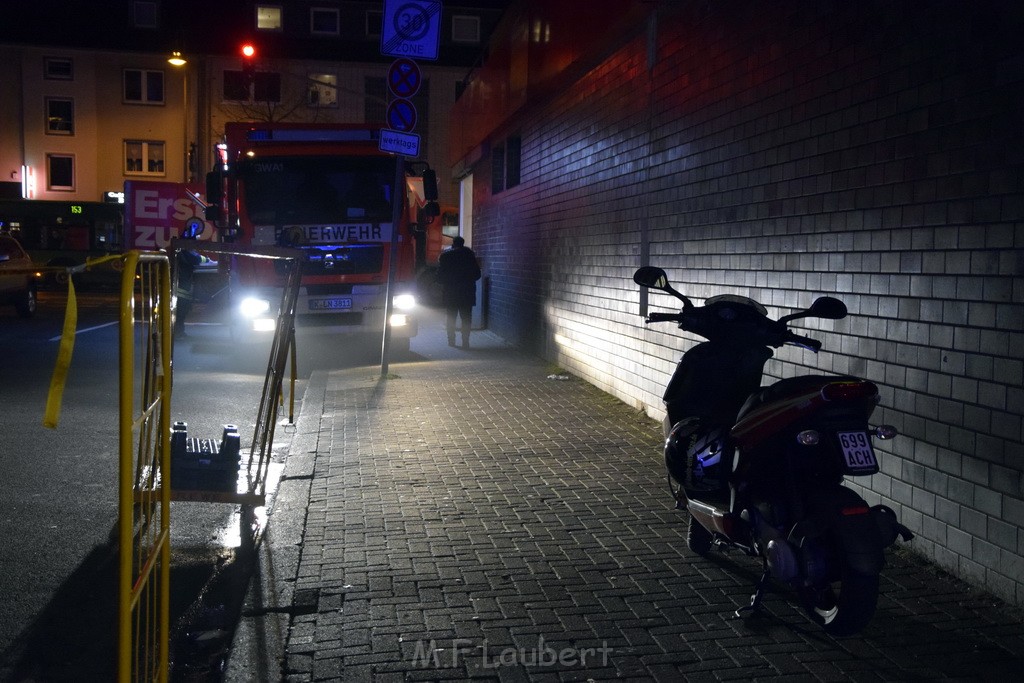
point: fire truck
(328, 191)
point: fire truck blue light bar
(312, 135)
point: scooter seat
(785, 388)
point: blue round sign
(404, 77)
(401, 115)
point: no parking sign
(404, 78)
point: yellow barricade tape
(67, 343)
(90, 262)
(60, 370)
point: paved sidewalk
(472, 518)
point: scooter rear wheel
(698, 539)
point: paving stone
(470, 519)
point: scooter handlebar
(662, 318)
(771, 336)
(803, 342)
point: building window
(264, 87)
(375, 102)
(324, 21)
(142, 86)
(323, 90)
(513, 160)
(145, 14)
(497, 169)
(60, 116)
(58, 68)
(236, 87)
(465, 29)
(143, 157)
(374, 22)
(60, 172)
(268, 18)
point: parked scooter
(760, 469)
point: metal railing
(144, 480)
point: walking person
(458, 272)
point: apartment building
(94, 95)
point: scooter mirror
(828, 307)
(651, 276)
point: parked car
(17, 279)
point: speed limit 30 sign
(411, 28)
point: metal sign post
(411, 28)
(396, 217)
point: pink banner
(154, 212)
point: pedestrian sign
(411, 28)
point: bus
(64, 234)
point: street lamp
(178, 61)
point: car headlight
(252, 307)
(404, 302)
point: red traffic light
(248, 51)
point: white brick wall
(860, 151)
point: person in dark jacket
(185, 263)
(458, 272)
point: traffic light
(249, 62)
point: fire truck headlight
(399, 320)
(264, 325)
(404, 302)
(252, 307)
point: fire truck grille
(360, 259)
(312, 320)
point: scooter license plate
(857, 452)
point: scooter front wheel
(698, 539)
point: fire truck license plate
(857, 451)
(329, 304)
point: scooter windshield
(736, 299)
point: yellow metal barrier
(145, 493)
(145, 486)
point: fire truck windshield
(327, 189)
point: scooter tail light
(808, 437)
(847, 391)
(885, 432)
